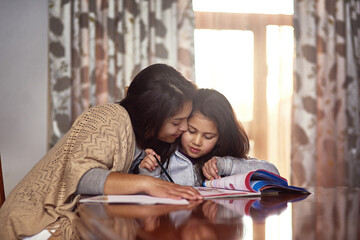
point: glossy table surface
(327, 213)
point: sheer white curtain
(249, 58)
(326, 123)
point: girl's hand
(149, 162)
(210, 169)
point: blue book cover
(261, 181)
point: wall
(23, 86)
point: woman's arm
(155, 173)
(99, 181)
(92, 182)
(121, 183)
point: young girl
(213, 133)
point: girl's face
(201, 137)
(175, 125)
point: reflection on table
(328, 213)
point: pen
(164, 170)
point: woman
(153, 114)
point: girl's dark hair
(156, 93)
(233, 140)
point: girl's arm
(225, 166)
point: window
(229, 69)
(244, 49)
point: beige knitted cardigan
(102, 137)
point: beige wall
(23, 86)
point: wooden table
(328, 213)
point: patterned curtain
(97, 46)
(326, 113)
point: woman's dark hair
(156, 93)
(233, 140)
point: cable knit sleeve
(102, 137)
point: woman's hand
(210, 169)
(210, 209)
(143, 211)
(149, 162)
(160, 188)
(121, 183)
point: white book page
(210, 193)
(138, 199)
(240, 206)
(230, 182)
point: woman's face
(201, 137)
(175, 125)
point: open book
(211, 193)
(260, 181)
